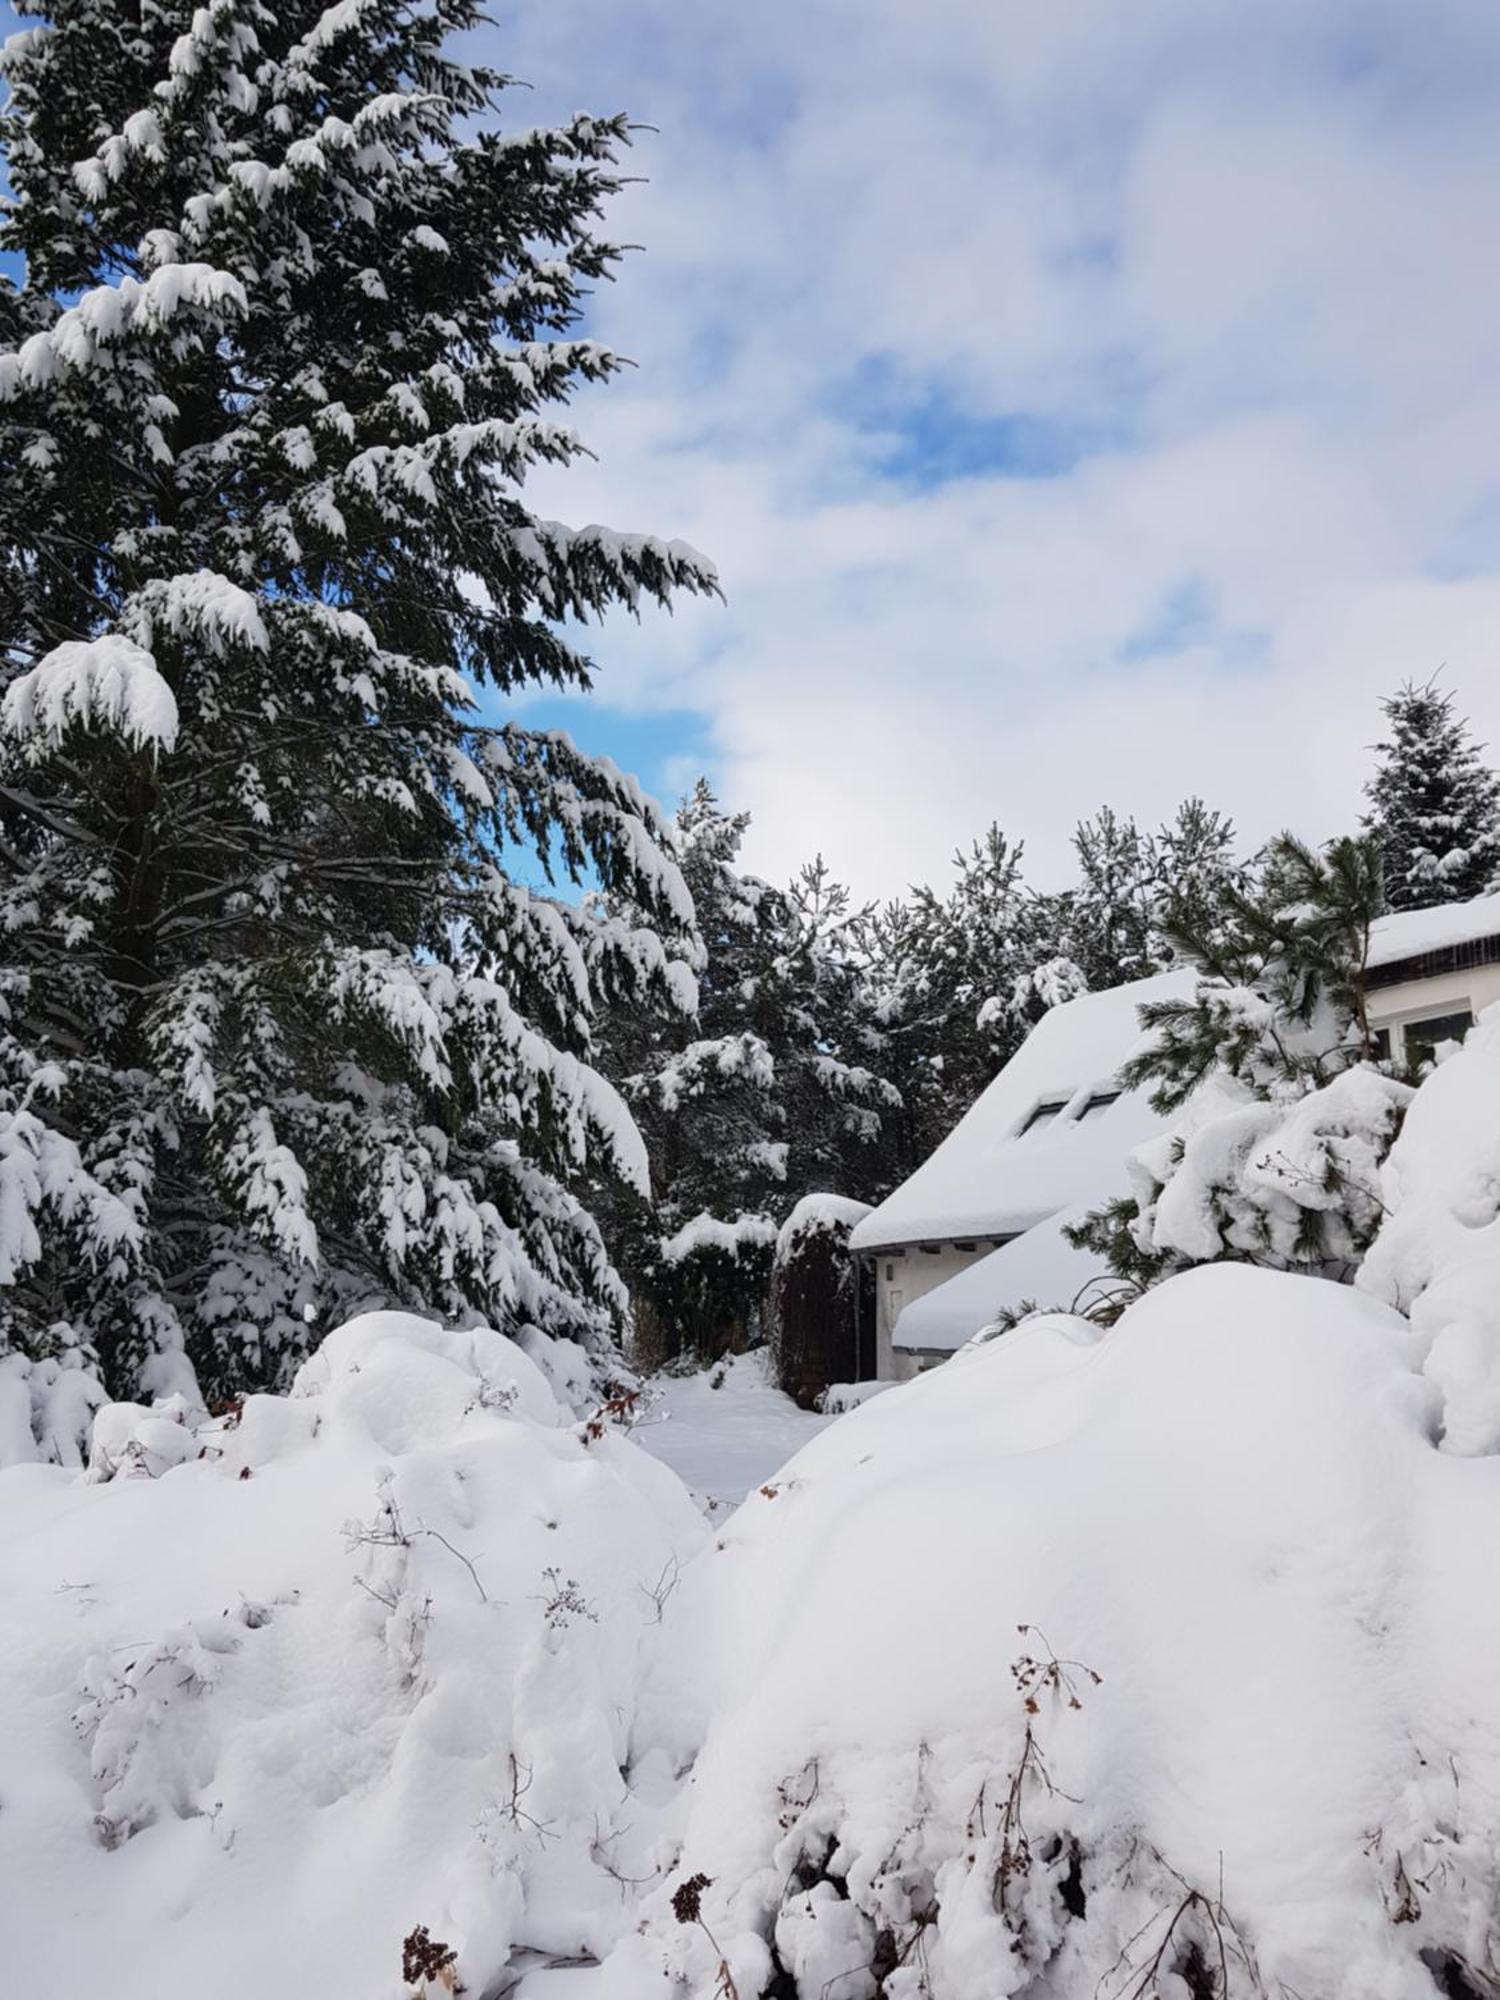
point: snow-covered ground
(1155, 1664)
(725, 1430)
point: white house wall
(900, 1277)
(1444, 993)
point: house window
(1380, 1041)
(1043, 1114)
(1099, 1102)
(1421, 1038)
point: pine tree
(1110, 913)
(765, 1095)
(280, 1034)
(1285, 1113)
(1136, 891)
(1434, 804)
(1194, 873)
(1280, 1004)
(961, 980)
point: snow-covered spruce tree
(279, 1032)
(1434, 803)
(772, 1091)
(1284, 1113)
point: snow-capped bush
(1293, 1183)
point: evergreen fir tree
(280, 1035)
(1434, 804)
(767, 1094)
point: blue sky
(1081, 403)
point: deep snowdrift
(1231, 1509)
(369, 1664)
(1159, 1662)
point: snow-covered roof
(1042, 1268)
(989, 1177)
(1411, 933)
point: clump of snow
(1087, 1653)
(839, 1397)
(107, 683)
(279, 1687)
(708, 1232)
(820, 1215)
(1288, 1182)
(46, 1408)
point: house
(1429, 972)
(979, 1226)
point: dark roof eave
(996, 1238)
(1432, 964)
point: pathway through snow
(724, 1442)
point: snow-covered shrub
(841, 1396)
(1089, 1657)
(815, 1297)
(1293, 1183)
(706, 1289)
(367, 1657)
(46, 1407)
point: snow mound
(282, 1686)
(1086, 1659)
(1437, 1254)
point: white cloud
(1248, 251)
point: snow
(819, 1214)
(1437, 1254)
(1203, 1598)
(725, 1430)
(708, 1232)
(1288, 1182)
(83, 335)
(988, 1178)
(106, 683)
(1230, 1509)
(363, 1659)
(1408, 933)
